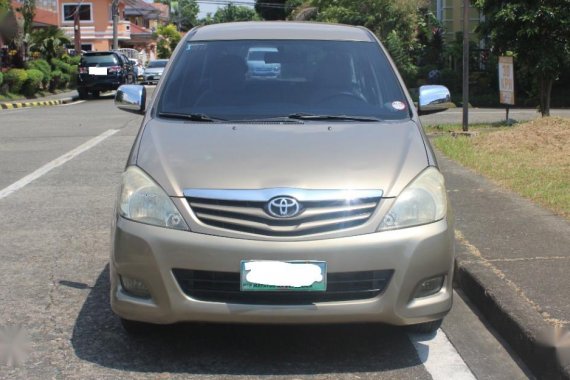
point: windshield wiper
(190, 116)
(308, 116)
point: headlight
(142, 200)
(423, 201)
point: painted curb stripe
(9, 106)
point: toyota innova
(309, 196)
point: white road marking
(55, 163)
(439, 357)
(72, 103)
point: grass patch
(532, 159)
(9, 96)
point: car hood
(185, 155)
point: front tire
(82, 93)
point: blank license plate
(275, 276)
(97, 71)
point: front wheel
(82, 93)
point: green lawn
(532, 159)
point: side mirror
(131, 98)
(434, 99)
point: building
(145, 19)
(450, 13)
(96, 21)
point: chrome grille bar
(246, 210)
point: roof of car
(280, 30)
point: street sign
(507, 80)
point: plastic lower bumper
(150, 254)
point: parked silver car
(311, 197)
(154, 70)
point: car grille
(331, 212)
(225, 287)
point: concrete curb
(543, 348)
(39, 103)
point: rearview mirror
(434, 99)
(131, 98)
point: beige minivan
(308, 196)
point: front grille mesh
(251, 217)
(225, 287)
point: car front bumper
(149, 254)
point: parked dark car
(103, 71)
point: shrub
(71, 59)
(33, 83)
(450, 79)
(44, 67)
(1, 78)
(16, 79)
(60, 65)
(55, 79)
(64, 80)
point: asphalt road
(60, 168)
(487, 115)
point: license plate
(97, 71)
(275, 276)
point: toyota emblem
(283, 207)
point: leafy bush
(16, 79)
(33, 83)
(451, 79)
(1, 78)
(64, 80)
(60, 65)
(55, 79)
(44, 67)
(71, 59)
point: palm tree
(49, 42)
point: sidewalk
(50, 100)
(513, 263)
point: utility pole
(115, 9)
(77, 30)
(465, 65)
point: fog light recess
(429, 287)
(134, 287)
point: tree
(4, 8)
(273, 9)
(536, 32)
(394, 22)
(168, 37)
(231, 13)
(49, 42)
(184, 13)
(28, 11)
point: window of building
(87, 47)
(84, 12)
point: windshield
(153, 64)
(336, 78)
(103, 60)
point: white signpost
(507, 82)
